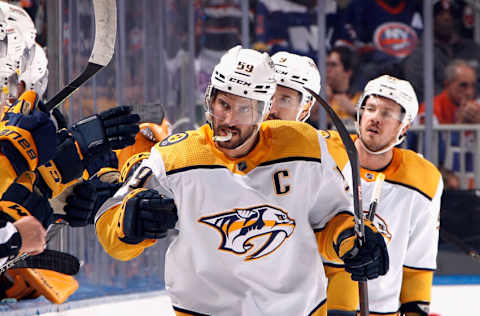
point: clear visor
(232, 110)
(373, 107)
(286, 102)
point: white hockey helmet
(296, 72)
(246, 73)
(36, 75)
(397, 90)
(17, 16)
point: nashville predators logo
(173, 139)
(254, 232)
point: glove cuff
(19, 147)
(90, 135)
(68, 161)
(345, 242)
(126, 233)
(13, 211)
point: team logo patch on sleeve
(254, 232)
(173, 139)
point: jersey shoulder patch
(186, 150)
(174, 139)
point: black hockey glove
(415, 309)
(97, 135)
(146, 215)
(368, 261)
(80, 204)
(86, 199)
(37, 205)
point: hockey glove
(415, 309)
(145, 214)
(80, 204)
(31, 203)
(86, 200)
(97, 135)
(368, 261)
(28, 141)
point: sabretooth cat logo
(255, 232)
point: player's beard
(239, 137)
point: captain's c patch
(173, 139)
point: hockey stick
(105, 12)
(357, 205)
(49, 260)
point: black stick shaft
(357, 202)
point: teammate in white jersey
(255, 204)
(293, 72)
(293, 103)
(409, 206)
(409, 285)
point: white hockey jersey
(249, 229)
(408, 215)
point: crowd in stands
(364, 39)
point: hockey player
(342, 291)
(292, 73)
(293, 103)
(243, 242)
(408, 208)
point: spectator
(448, 45)
(456, 103)
(383, 32)
(340, 94)
(450, 179)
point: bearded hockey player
(231, 190)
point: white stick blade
(105, 31)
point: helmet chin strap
(399, 140)
(374, 152)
